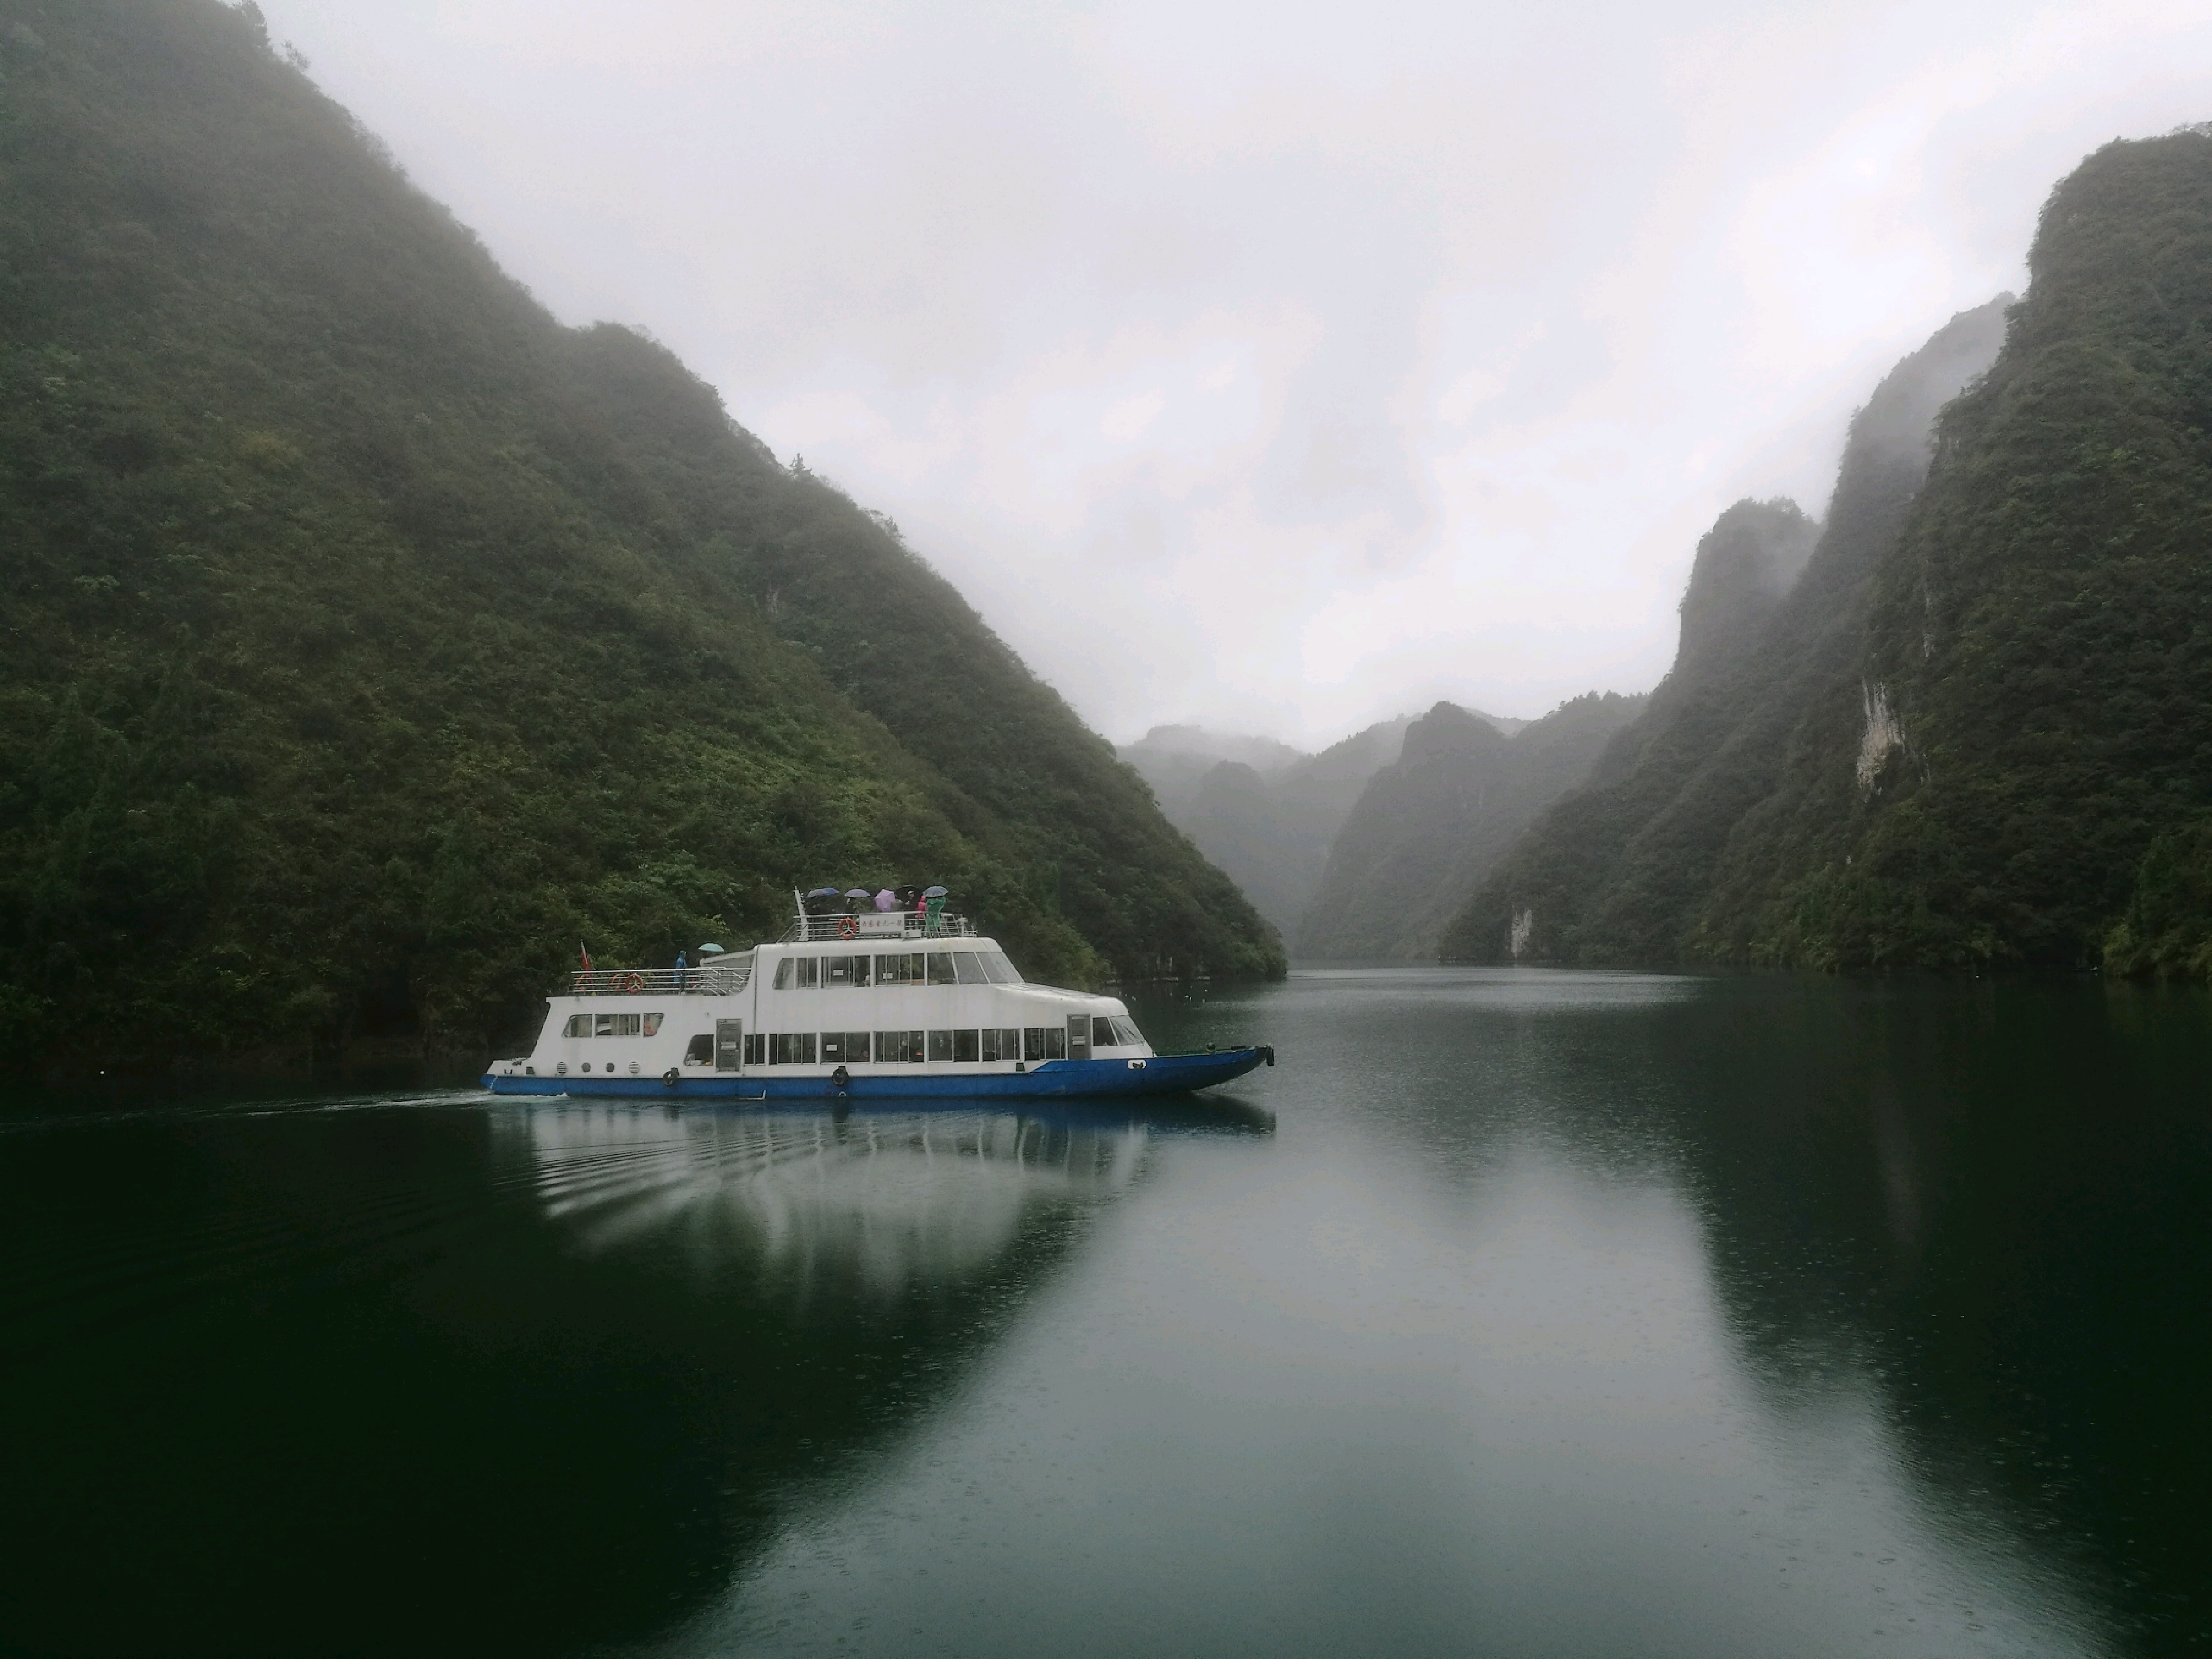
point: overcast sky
(1274, 366)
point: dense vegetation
(2167, 927)
(1429, 826)
(1979, 730)
(371, 639)
(2043, 631)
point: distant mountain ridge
(1428, 826)
(1264, 812)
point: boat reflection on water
(446, 1376)
(876, 1201)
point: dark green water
(1512, 1314)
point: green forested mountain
(372, 639)
(1979, 730)
(2035, 685)
(1428, 826)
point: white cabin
(869, 995)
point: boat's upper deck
(717, 976)
(943, 949)
(877, 925)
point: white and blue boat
(874, 1004)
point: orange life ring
(849, 928)
(631, 983)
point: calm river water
(1513, 1313)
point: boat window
(578, 1025)
(898, 1046)
(904, 969)
(941, 1045)
(845, 972)
(808, 973)
(1000, 970)
(940, 968)
(969, 967)
(701, 1050)
(603, 1025)
(966, 1046)
(757, 1049)
(1044, 1043)
(1001, 1042)
(1126, 1034)
(1102, 1034)
(845, 1047)
(783, 975)
(653, 1025)
(791, 1048)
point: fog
(1278, 368)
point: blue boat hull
(1052, 1079)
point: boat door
(729, 1045)
(1079, 1037)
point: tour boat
(877, 1003)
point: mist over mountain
(1978, 731)
(1751, 557)
(373, 639)
(1428, 826)
(1267, 814)
(1174, 760)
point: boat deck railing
(709, 981)
(876, 926)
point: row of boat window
(899, 1048)
(583, 1025)
(896, 968)
(851, 1048)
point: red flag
(586, 956)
